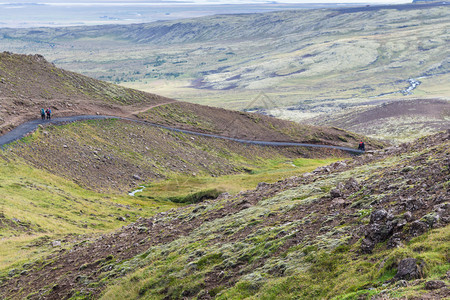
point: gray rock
(335, 193)
(121, 218)
(137, 177)
(418, 228)
(402, 283)
(380, 228)
(351, 185)
(408, 216)
(408, 269)
(262, 185)
(367, 245)
(412, 204)
(378, 215)
(56, 244)
(395, 240)
(434, 284)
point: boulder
(378, 215)
(380, 228)
(56, 244)
(418, 228)
(434, 284)
(408, 269)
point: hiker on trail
(361, 146)
(49, 113)
(42, 114)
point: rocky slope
(375, 226)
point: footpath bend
(30, 126)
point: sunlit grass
(35, 203)
(270, 172)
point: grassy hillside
(113, 155)
(248, 125)
(73, 94)
(374, 226)
(297, 58)
(39, 208)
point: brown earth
(29, 83)
(419, 115)
(425, 173)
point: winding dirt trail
(30, 126)
(134, 113)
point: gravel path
(30, 126)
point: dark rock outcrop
(408, 269)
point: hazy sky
(198, 2)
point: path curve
(30, 126)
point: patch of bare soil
(424, 175)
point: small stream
(413, 83)
(137, 191)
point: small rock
(121, 218)
(97, 113)
(137, 177)
(418, 228)
(378, 215)
(56, 244)
(262, 185)
(65, 146)
(408, 216)
(434, 284)
(402, 283)
(335, 193)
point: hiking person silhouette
(42, 114)
(49, 113)
(361, 146)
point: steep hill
(375, 226)
(29, 83)
(115, 155)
